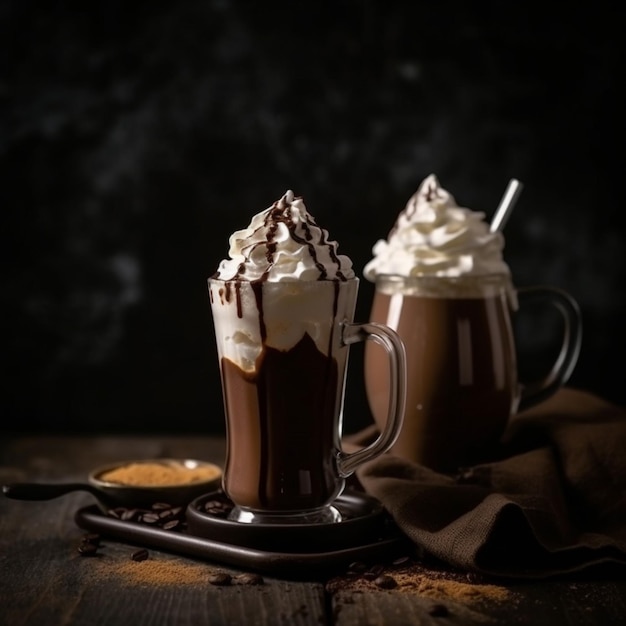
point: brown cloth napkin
(553, 501)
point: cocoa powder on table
(144, 567)
(158, 570)
(408, 576)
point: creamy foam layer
(434, 236)
(448, 287)
(249, 316)
(284, 243)
(283, 279)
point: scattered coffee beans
(89, 544)
(224, 579)
(128, 515)
(160, 514)
(161, 506)
(357, 567)
(140, 555)
(171, 524)
(169, 514)
(373, 572)
(249, 579)
(87, 549)
(218, 507)
(167, 517)
(403, 573)
(150, 518)
(385, 582)
(220, 578)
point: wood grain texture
(542, 604)
(45, 581)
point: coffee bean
(171, 524)
(356, 567)
(161, 514)
(403, 560)
(385, 582)
(87, 549)
(472, 577)
(373, 572)
(129, 515)
(161, 506)
(438, 610)
(217, 508)
(140, 555)
(170, 514)
(249, 579)
(220, 578)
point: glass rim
(491, 277)
(215, 279)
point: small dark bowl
(115, 494)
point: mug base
(325, 515)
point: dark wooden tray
(312, 558)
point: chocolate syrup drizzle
(431, 191)
(279, 213)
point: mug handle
(563, 367)
(391, 342)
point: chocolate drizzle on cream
(281, 213)
(283, 231)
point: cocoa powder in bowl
(143, 482)
(157, 473)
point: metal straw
(505, 208)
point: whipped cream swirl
(434, 236)
(283, 243)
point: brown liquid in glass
(461, 377)
(275, 441)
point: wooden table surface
(45, 580)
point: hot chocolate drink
(442, 284)
(283, 305)
(276, 441)
(461, 369)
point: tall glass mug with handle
(284, 459)
(462, 371)
(442, 285)
(283, 307)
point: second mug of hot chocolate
(462, 371)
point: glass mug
(462, 377)
(283, 352)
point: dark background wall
(136, 136)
